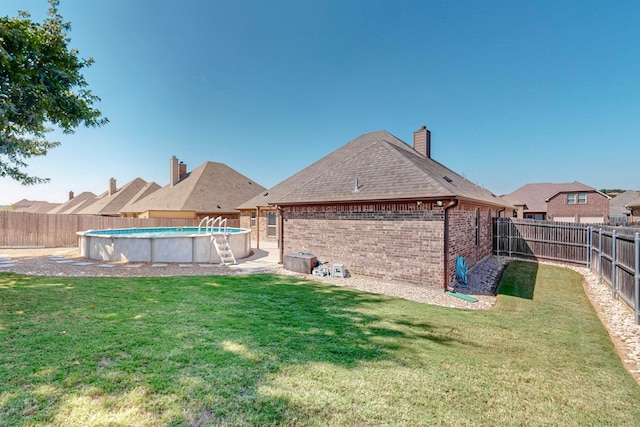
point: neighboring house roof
(77, 203)
(33, 206)
(534, 196)
(150, 187)
(382, 167)
(111, 205)
(211, 187)
(618, 205)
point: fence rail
(611, 252)
(23, 229)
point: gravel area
(482, 280)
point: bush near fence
(23, 229)
(613, 253)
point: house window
(571, 199)
(582, 198)
(538, 216)
(253, 219)
(271, 224)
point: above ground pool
(161, 244)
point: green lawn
(273, 350)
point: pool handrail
(206, 221)
(222, 225)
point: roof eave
(391, 200)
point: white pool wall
(131, 248)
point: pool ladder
(219, 238)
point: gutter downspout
(257, 227)
(280, 236)
(452, 204)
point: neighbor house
(382, 208)
(32, 206)
(75, 203)
(212, 189)
(111, 202)
(625, 207)
(569, 202)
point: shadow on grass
(191, 350)
(519, 280)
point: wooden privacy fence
(616, 258)
(611, 252)
(23, 229)
(541, 239)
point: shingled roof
(33, 206)
(111, 204)
(211, 187)
(76, 204)
(376, 166)
(534, 196)
(618, 205)
(148, 189)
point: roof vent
(446, 178)
(357, 185)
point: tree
(41, 85)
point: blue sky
(513, 91)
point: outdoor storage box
(300, 263)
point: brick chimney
(174, 171)
(112, 186)
(182, 171)
(71, 195)
(422, 141)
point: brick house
(212, 189)
(111, 202)
(382, 208)
(568, 202)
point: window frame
(581, 199)
(271, 228)
(571, 198)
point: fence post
(600, 255)
(497, 222)
(613, 265)
(589, 242)
(636, 246)
(510, 226)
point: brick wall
(597, 205)
(462, 235)
(245, 222)
(399, 241)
